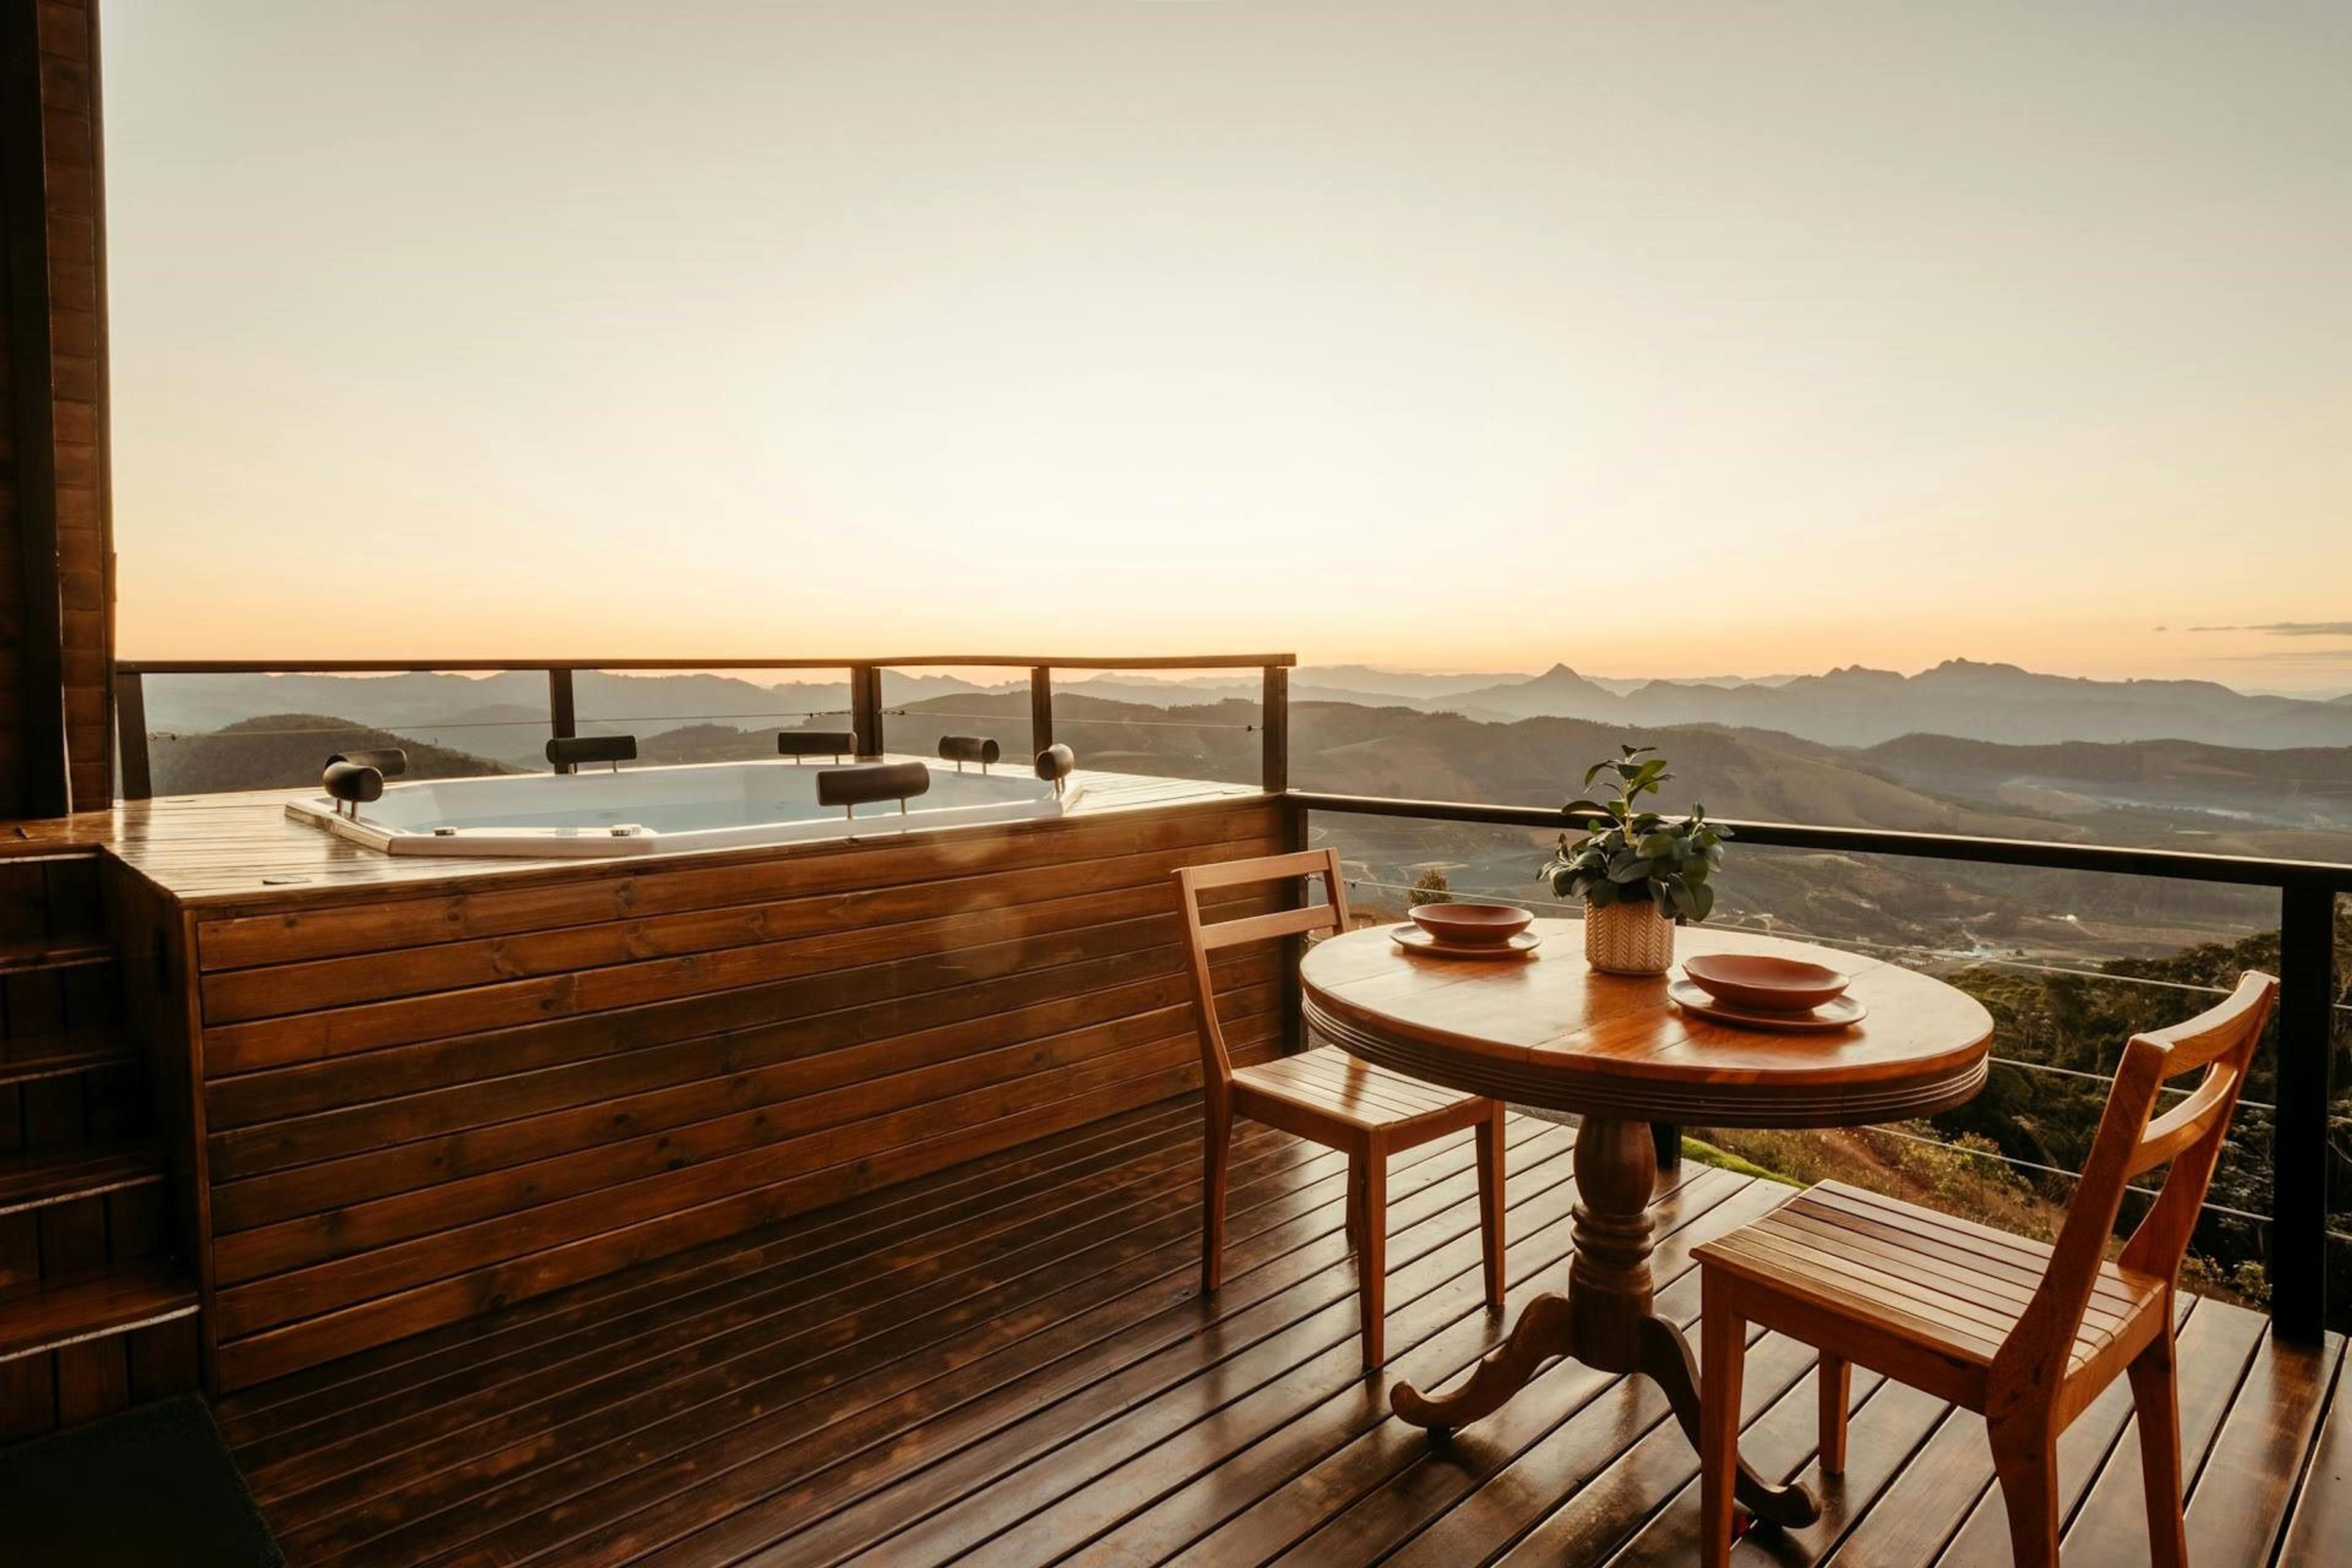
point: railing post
(1273, 766)
(1294, 1011)
(1041, 707)
(130, 734)
(563, 713)
(2298, 1261)
(866, 707)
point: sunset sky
(1668, 339)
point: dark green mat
(151, 1487)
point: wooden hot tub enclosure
(396, 1094)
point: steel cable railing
(2304, 1120)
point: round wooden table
(1548, 1030)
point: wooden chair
(2025, 1333)
(1324, 1094)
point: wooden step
(133, 1295)
(34, 1181)
(59, 1055)
(24, 956)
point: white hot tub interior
(640, 810)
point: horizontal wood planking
(394, 1084)
(539, 1115)
(1024, 1176)
(312, 929)
(249, 1045)
(434, 1104)
(783, 1112)
(309, 1343)
(513, 1230)
(302, 988)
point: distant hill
(429, 702)
(2231, 787)
(503, 714)
(1392, 682)
(1859, 706)
(286, 751)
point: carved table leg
(1605, 1321)
(1667, 1361)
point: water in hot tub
(663, 800)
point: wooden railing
(865, 707)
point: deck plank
(2237, 1502)
(1008, 1363)
(2215, 1350)
(2320, 1529)
(1293, 1261)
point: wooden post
(1275, 759)
(1293, 1012)
(866, 707)
(563, 713)
(1041, 707)
(131, 741)
(2298, 1253)
(39, 785)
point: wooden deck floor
(1008, 1365)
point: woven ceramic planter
(1628, 939)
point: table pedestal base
(1606, 1320)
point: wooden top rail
(909, 661)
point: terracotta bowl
(1773, 984)
(1472, 925)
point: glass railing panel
(1181, 725)
(707, 716)
(209, 733)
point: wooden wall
(417, 1108)
(56, 561)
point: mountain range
(504, 715)
(1998, 702)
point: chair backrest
(2132, 1140)
(1199, 939)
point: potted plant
(1638, 873)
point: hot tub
(665, 810)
